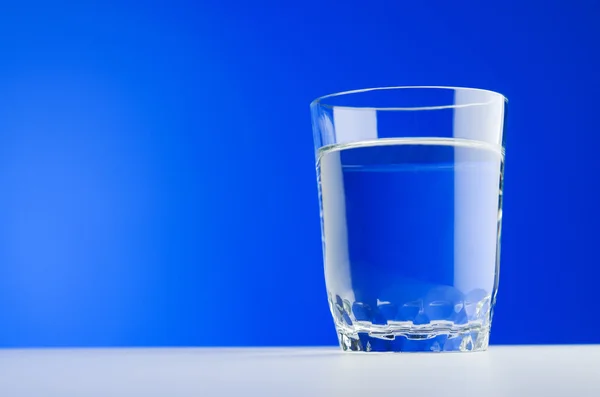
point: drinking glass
(410, 191)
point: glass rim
(319, 101)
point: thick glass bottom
(441, 336)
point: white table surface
(510, 371)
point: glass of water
(410, 188)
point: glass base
(406, 337)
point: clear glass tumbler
(410, 188)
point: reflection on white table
(511, 371)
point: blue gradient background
(156, 164)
